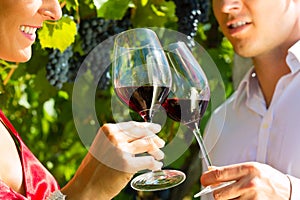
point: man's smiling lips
(235, 27)
(236, 24)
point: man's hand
(253, 181)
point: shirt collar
(249, 85)
(293, 57)
(243, 87)
(250, 94)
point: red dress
(39, 183)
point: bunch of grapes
(190, 13)
(74, 65)
(96, 30)
(58, 66)
(63, 66)
(98, 63)
(93, 32)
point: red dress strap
(39, 183)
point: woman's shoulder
(11, 171)
(16, 159)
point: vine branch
(10, 73)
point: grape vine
(63, 66)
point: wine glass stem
(200, 141)
(149, 119)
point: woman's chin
(24, 60)
(22, 57)
(16, 60)
(25, 55)
(19, 57)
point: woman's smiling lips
(29, 31)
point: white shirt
(251, 132)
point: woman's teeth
(28, 30)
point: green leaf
(99, 3)
(111, 9)
(60, 34)
(87, 9)
(144, 2)
(42, 87)
(157, 11)
(72, 4)
(154, 14)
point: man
(257, 145)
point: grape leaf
(71, 4)
(144, 2)
(60, 34)
(111, 9)
(99, 3)
(154, 15)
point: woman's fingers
(121, 145)
(146, 144)
(136, 164)
(136, 137)
(158, 141)
(157, 154)
(135, 130)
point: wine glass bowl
(189, 97)
(142, 80)
(190, 93)
(141, 72)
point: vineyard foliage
(37, 95)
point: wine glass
(142, 80)
(189, 97)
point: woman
(21, 175)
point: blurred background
(37, 95)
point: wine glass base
(212, 188)
(158, 180)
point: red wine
(143, 99)
(185, 110)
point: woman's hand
(253, 181)
(113, 159)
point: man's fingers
(228, 173)
(232, 191)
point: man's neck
(269, 69)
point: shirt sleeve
(295, 183)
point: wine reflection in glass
(142, 80)
(189, 97)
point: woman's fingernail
(158, 166)
(161, 142)
(156, 127)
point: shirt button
(265, 125)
